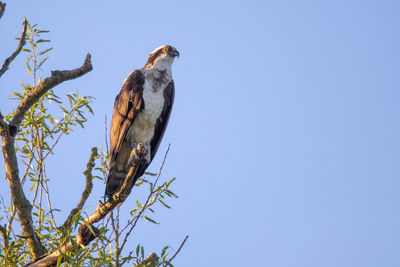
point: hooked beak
(175, 53)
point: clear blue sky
(285, 130)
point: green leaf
(169, 182)
(138, 204)
(149, 219)
(137, 250)
(165, 205)
(164, 250)
(42, 41)
(45, 51)
(41, 62)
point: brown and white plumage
(141, 113)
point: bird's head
(162, 57)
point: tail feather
(114, 181)
(116, 178)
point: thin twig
(179, 249)
(18, 50)
(53, 220)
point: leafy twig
(37, 92)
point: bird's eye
(165, 49)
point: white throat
(162, 64)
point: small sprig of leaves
(38, 57)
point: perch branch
(20, 44)
(85, 234)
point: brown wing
(128, 103)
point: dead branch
(20, 44)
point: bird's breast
(142, 129)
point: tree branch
(21, 204)
(20, 44)
(33, 96)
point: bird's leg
(139, 153)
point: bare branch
(179, 249)
(86, 192)
(20, 44)
(33, 96)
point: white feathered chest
(142, 129)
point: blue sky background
(284, 133)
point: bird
(140, 116)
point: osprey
(140, 116)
